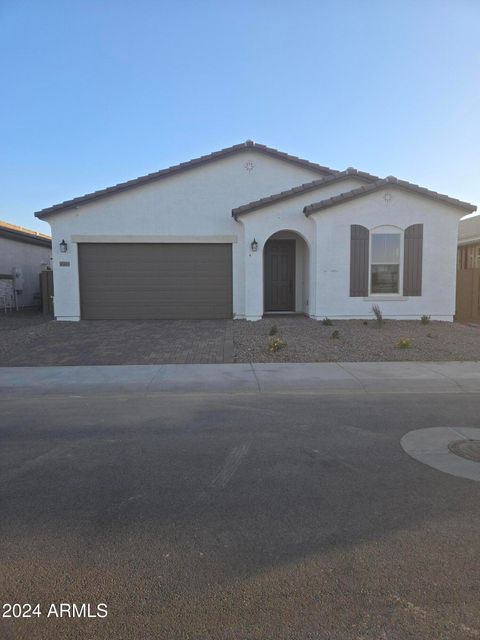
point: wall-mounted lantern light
(63, 247)
(254, 245)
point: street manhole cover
(469, 449)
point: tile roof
(381, 184)
(14, 232)
(190, 164)
(303, 188)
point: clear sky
(98, 92)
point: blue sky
(94, 93)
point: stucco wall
(29, 257)
(197, 204)
(281, 216)
(327, 234)
(440, 229)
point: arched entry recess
(286, 272)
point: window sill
(384, 298)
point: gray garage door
(155, 281)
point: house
(250, 230)
(469, 243)
(468, 270)
(23, 255)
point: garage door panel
(155, 281)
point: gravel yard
(309, 340)
(31, 339)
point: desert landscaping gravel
(309, 340)
(31, 339)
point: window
(385, 263)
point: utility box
(17, 279)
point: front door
(279, 275)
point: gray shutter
(359, 246)
(412, 260)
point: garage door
(155, 281)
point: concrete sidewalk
(357, 377)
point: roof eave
(387, 182)
(297, 191)
(19, 236)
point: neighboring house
(23, 255)
(249, 230)
(468, 270)
(469, 243)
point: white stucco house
(250, 230)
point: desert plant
(275, 344)
(273, 330)
(327, 322)
(377, 312)
(425, 319)
(404, 343)
(335, 334)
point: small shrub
(377, 312)
(327, 322)
(273, 330)
(335, 334)
(404, 343)
(275, 344)
(425, 319)
(365, 323)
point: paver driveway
(31, 340)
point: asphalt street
(236, 517)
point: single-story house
(23, 255)
(250, 230)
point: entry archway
(286, 271)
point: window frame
(382, 230)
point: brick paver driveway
(31, 340)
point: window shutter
(359, 241)
(412, 260)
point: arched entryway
(285, 273)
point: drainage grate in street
(469, 449)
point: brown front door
(279, 275)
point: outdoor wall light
(63, 247)
(254, 245)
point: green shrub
(275, 344)
(327, 322)
(425, 319)
(273, 330)
(377, 312)
(335, 334)
(404, 343)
